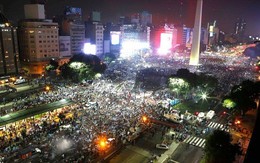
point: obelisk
(195, 49)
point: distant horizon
(169, 11)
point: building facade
(9, 52)
(95, 33)
(39, 43)
(76, 31)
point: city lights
(89, 49)
(115, 37)
(132, 48)
(47, 88)
(165, 43)
(144, 119)
(237, 122)
(102, 143)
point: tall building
(9, 53)
(76, 31)
(71, 25)
(240, 27)
(213, 33)
(143, 18)
(38, 40)
(195, 50)
(34, 11)
(185, 36)
(95, 33)
(146, 18)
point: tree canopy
(218, 148)
(82, 66)
(244, 95)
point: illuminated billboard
(115, 37)
(211, 31)
(165, 43)
(73, 11)
(65, 46)
(89, 49)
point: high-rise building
(95, 33)
(146, 18)
(38, 40)
(213, 33)
(9, 53)
(240, 27)
(143, 18)
(185, 36)
(71, 25)
(76, 31)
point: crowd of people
(111, 106)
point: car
(210, 114)
(162, 146)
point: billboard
(65, 46)
(73, 11)
(166, 41)
(89, 48)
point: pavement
(167, 154)
(132, 154)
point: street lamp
(204, 96)
(102, 143)
(144, 119)
(237, 122)
(47, 88)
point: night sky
(225, 12)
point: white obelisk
(195, 49)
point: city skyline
(225, 13)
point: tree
(244, 95)
(178, 85)
(81, 67)
(218, 148)
(228, 103)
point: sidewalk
(167, 154)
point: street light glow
(47, 88)
(144, 118)
(204, 96)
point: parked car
(162, 146)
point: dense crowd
(112, 105)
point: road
(186, 153)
